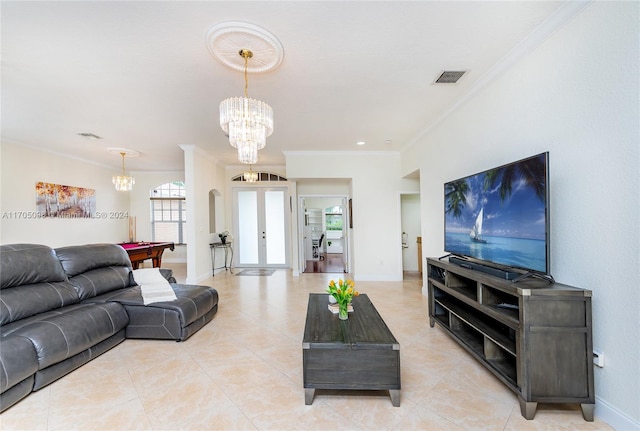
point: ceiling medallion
(226, 39)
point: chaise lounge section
(61, 308)
(101, 273)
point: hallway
(332, 263)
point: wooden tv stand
(534, 336)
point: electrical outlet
(598, 358)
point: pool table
(141, 251)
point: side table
(228, 256)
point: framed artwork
(56, 200)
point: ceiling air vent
(89, 135)
(450, 77)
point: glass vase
(343, 311)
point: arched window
(168, 212)
(262, 176)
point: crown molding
(343, 153)
(568, 10)
(55, 153)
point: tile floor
(243, 371)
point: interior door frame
(302, 264)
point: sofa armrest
(168, 274)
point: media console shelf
(532, 335)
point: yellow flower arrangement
(343, 291)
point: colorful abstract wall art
(55, 200)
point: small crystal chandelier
(122, 182)
(250, 176)
(248, 122)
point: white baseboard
(175, 260)
(203, 277)
(370, 277)
(618, 420)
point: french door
(261, 227)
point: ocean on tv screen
(516, 252)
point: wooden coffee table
(360, 353)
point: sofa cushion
(17, 361)
(178, 319)
(192, 301)
(28, 264)
(32, 281)
(95, 269)
(16, 393)
(101, 280)
(77, 259)
(55, 371)
(61, 334)
(29, 300)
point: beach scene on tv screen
(500, 215)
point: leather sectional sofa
(61, 308)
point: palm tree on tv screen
(532, 171)
(455, 195)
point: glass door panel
(275, 241)
(247, 243)
(261, 220)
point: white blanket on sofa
(154, 287)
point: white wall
(577, 96)
(23, 167)
(322, 202)
(322, 187)
(202, 175)
(376, 207)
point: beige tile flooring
(244, 371)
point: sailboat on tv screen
(476, 231)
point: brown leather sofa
(61, 308)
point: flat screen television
(499, 218)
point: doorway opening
(324, 242)
(411, 225)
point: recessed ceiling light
(387, 141)
(89, 135)
(360, 143)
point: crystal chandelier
(250, 176)
(247, 121)
(122, 182)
